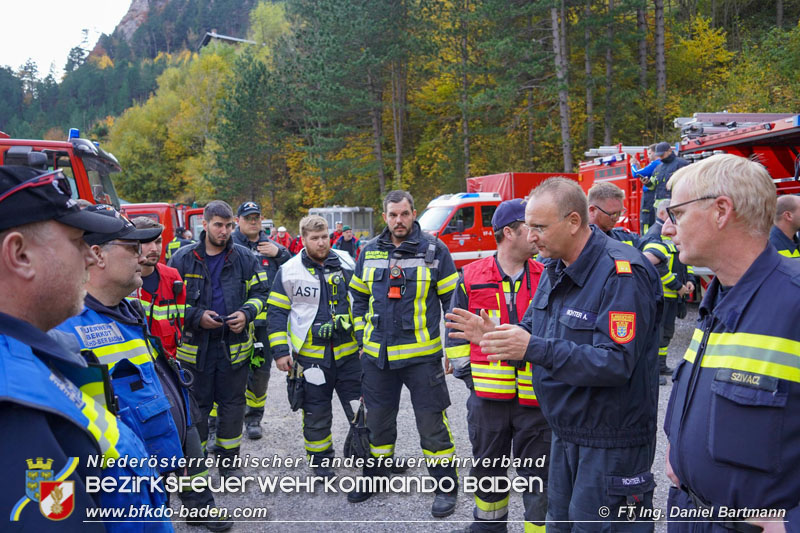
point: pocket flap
(631, 485)
(755, 390)
(150, 408)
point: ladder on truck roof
(701, 124)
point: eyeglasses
(673, 217)
(55, 177)
(616, 215)
(540, 229)
(137, 245)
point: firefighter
(732, 426)
(145, 378)
(403, 279)
(502, 411)
(51, 425)
(177, 242)
(606, 207)
(271, 256)
(646, 214)
(676, 279)
(670, 162)
(591, 333)
(783, 234)
(226, 289)
(310, 324)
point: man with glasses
(226, 289)
(732, 426)
(591, 335)
(55, 410)
(149, 386)
(606, 208)
(271, 255)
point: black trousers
(258, 380)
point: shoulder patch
(621, 326)
(623, 267)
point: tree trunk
(464, 88)
(587, 63)
(399, 84)
(608, 115)
(779, 13)
(561, 78)
(531, 142)
(661, 64)
(377, 130)
(641, 23)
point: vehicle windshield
(433, 218)
(101, 173)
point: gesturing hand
(468, 326)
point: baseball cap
(128, 232)
(345, 228)
(662, 148)
(29, 195)
(248, 208)
(282, 228)
(508, 212)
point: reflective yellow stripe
(404, 351)
(381, 451)
(187, 352)
(789, 253)
(446, 285)
(159, 312)
(255, 302)
(457, 352)
(420, 305)
(102, 425)
(491, 510)
(229, 444)
(278, 338)
(358, 322)
(279, 300)
(240, 352)
(319, 445)
(310, 350)
(137, 351)
(344, 349)
(777, 357)
(254, 401)
(530, 527)
(357, 285)
(525, 383)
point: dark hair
(217, 208)
(395, 197)
(498, 235)
(568, 196)
(146, 223)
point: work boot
(230, 471)
(444, 504)
(215, 524)
(211, 442)
(663, 369)
(356, 496)
(662, 380)
(399, 466)
(254, 431)
(324, 472)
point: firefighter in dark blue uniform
(783, 234)
(403, 279)
(271, 255)
(731, 422)
(606, 207)
(591, 334)
(50, 424)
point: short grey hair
(605, 191)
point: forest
(338, 101)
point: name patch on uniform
(621, 326)
(579, 314)
(623, 267)
(99, 334)
(748, 379)
(69, 389)
(376, 254)
(305, 290)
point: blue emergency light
(74, 133)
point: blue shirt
(214, 264)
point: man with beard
(271, 255)
(403, 280)
(309, 296)
(48, 420)
(149, 385)
(226, 289)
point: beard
(316, 255)
(219, 243)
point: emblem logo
(56, 496)
(621, 326)
(38, 470)
(623, 267)
(57, 501)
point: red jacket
(165, 318)
(486, 290)
(286, 241)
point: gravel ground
(300, 511)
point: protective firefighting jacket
(673, 273)
(122, 345)
(39, 375)
(164, 310)
(402, 330)
(785, 246)
(483, 287)
(304, 297)
(732, 420)
(594, 345)
(245, 287)
(623, 235)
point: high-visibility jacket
(403, 331)
(165, 314)
(673, 273)
(785, 246)
(482, 287)
(732, 420)
(130, 358)
(300, 301)
(623, 235)
(245, 287)
(38, 374)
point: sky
(46, 30)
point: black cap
(128, 232)
(47, 196)
(662, 148)
(248, 208)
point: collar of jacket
(45, 345)
(126, 312)
(729, 310)
(200, 249)
(409, 245)
(332, 262)
(579, 271)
